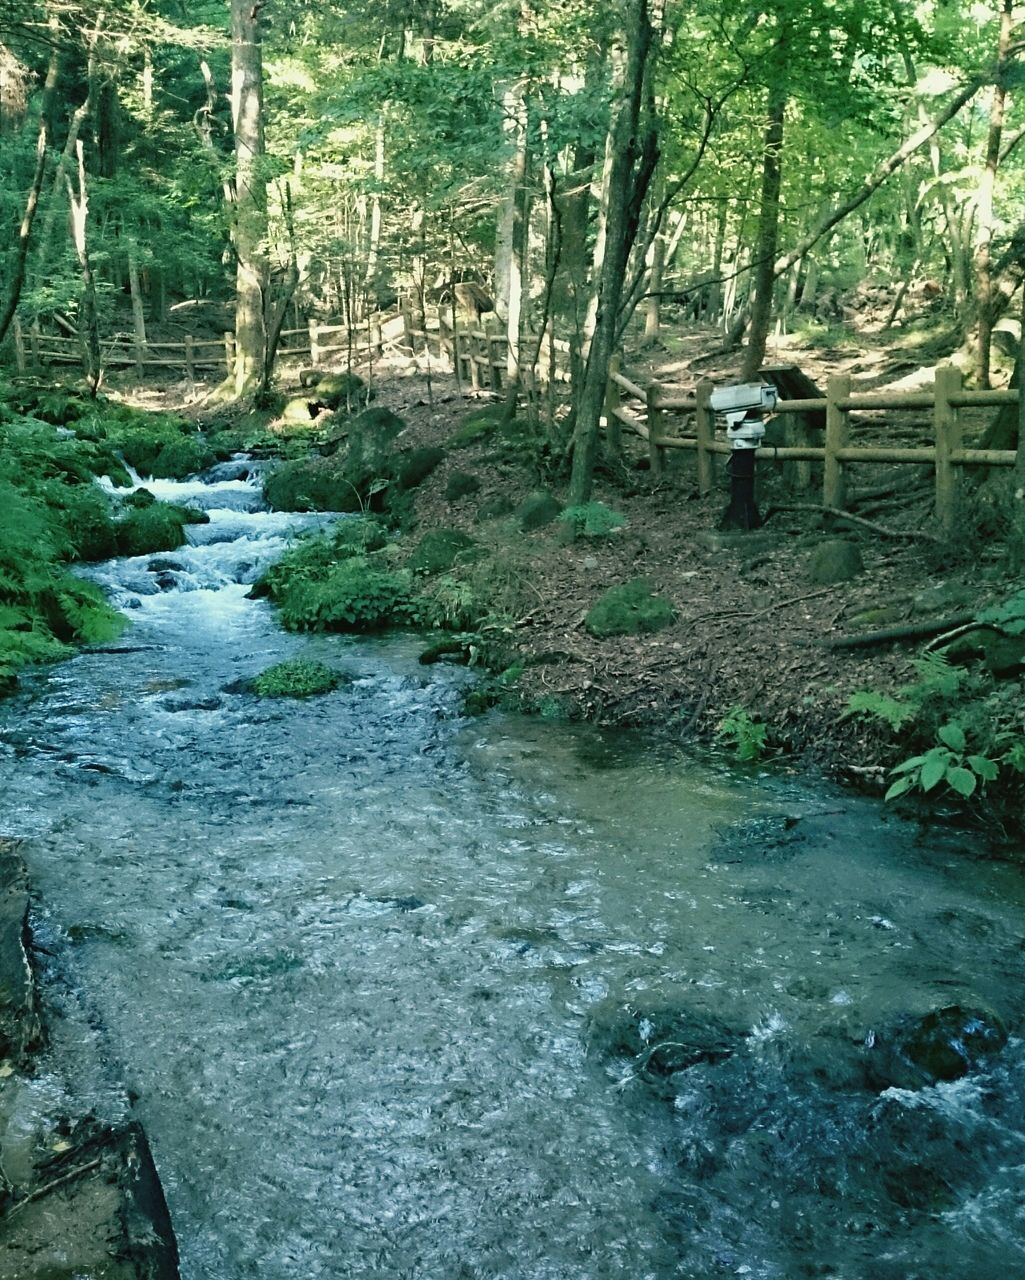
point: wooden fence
(648, 411)
(318, 343)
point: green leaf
(899, 788)
(962, 781)
(933, 771)
(915, 762)
(986, 768)
(953, 736)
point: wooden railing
(648, 413)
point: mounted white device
(742, 408)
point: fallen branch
(52, 1186)
(907, 631)
(859, 521)
(964, 630)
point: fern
(868, 702)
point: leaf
(952, 735)
(933, 771)
(962, 781)
(915, 762)
(899, 787)
(986, 768)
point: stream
(368, 971)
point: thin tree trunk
(632, 155)
(88, 314)
(10, 306)
(768, 216)
(250, 196)
(986, 299)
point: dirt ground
(751, 629)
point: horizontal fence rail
(647, 411)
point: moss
(538, 510)
(835, 560)
(160, 527)
(628, 610)
(415, 465)
(438, 550)
(295, 678)
(477, 426)
(340, 390)
(461, 485)
(494, 509)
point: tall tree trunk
(631, 158)
(89, 323)
(17, 282)
(250, 196)
(768, 212)
(986, 298)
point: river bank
(769, 648)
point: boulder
(538, 510)
(628, 610)
(944, 1044)
(437, 551)
(461, 485)
(835, 560)
(494, 509)
(20, 1028)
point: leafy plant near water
(747, 737)
(938, 682)
(948, 763)
(295, 678)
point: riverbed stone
(835, 560)
(20, 1028)
(943, 1044)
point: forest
(512, 639)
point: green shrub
(295, 678)
(746, 737)
(628, 610)
(592, 520)
(439, 550)
(949, 763)
(159, 527)
(355, 595)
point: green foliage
(948, 763)
(295, 678)
(592, 520)
(889, 710)
(628, 610)
(160, 527)
(746, 737)
(355, 595)
(439, 550)
(1008, 617)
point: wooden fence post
(314, 343)
(656, 429)
(834, 482)
(19, 345)
(704, 427)
(407, 323)
(140, 358)
(947, 422)
(229, 351)
(190, 358)
(34, 335)
(613, 399)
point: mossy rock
(295, 678)
(140, 498)
(477, 426)
(835, 560)
(309, 485)
(174, 459)
(494, 509)
(340, 390)
(357, 595)
(300, 410)
(437, 551)
(630, 609)
(1002, 655)
(461, 485)
(415, 465)
(538, 510)
(160, 527)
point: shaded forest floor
(752, 630)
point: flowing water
(368, 972)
